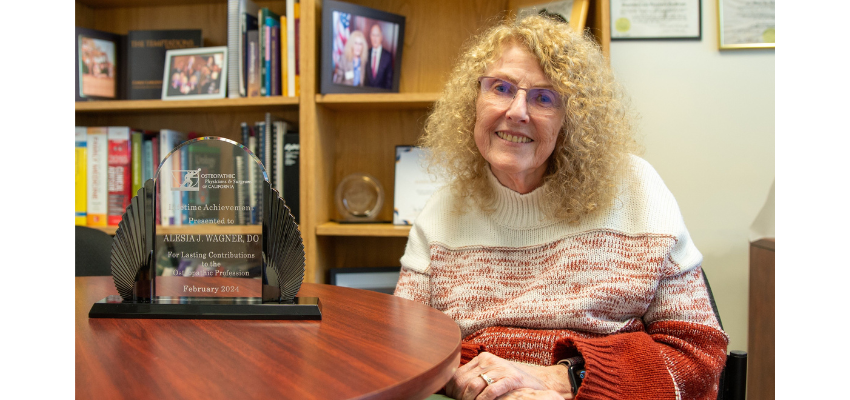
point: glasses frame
(529, 103)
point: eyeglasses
(502, 92)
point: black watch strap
(576, 371)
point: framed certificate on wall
(746, 24)
(658, 20)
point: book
(80, 175)
(274, 55)
(96, 166)
(265, 36)
(253, 173)
(136, 160)
(248, 24)
(293, 13)
(146, 58)
(233, 32)
(118, 173)
(291, 173)
(183, 196)
(253, 63)
(100, 66)
(241, 194)
(168, 140)
(284, 58)
(148, 164)
(279, 129)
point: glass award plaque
(208, 237)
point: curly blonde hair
(593, 144)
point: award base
(301, 308)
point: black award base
(301, 308)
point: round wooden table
(368, 345)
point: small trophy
(214, 265)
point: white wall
(707, 126)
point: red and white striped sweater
(623, 288)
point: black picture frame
(340, 21)
(614, 22)
(112, 86)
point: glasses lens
(498, 87)
(543, 98)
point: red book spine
(118, 175)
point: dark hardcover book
(274, 56)
(99, 65)
(146, 58)
(265, 51)
(291, 172)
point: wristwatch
(576, 371)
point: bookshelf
(340, 133)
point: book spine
(184, 195)
(155, 161)
(291, 173)
(284, 58)
(96, 147)
(176, 198)
(118, 173)
(267, 61)
(290, 44)
(240, 189)
(164, 180)
(261, 28)
(274, 57)
(136, 173)
(279, 131)
(80, 175)
(251, 171)
(233, 48)
(261, 149)
(246, 133)
(147, 160)
(253, 64)
(296, 80)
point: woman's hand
(531, 394)
(468, 384)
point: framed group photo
(361, 49)
(195, 74)
(97, 65)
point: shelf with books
(130, 106)
(377, 229)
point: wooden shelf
(196, 229)
(161, 106)
(101, 4)
(376, 101)
(375, 230)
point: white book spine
(164, 182)
(290, 47)
(96, 197)
(279, 131)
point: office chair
(93, 252)
(733, 378)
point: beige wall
(707, 126)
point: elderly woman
(552, 245)
(351, 68)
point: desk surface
(368, 345)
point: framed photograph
(98, 65)
(746, 24)
(361, 49)
(195, 74)
(656, 20)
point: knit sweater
(623, 287)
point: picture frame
(349, 69)
(195, 74)
(654, 20)
(414, 185)
(746, 25)
(99, 65)
(573, 12)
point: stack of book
(263, 50)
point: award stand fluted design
(208, 183)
